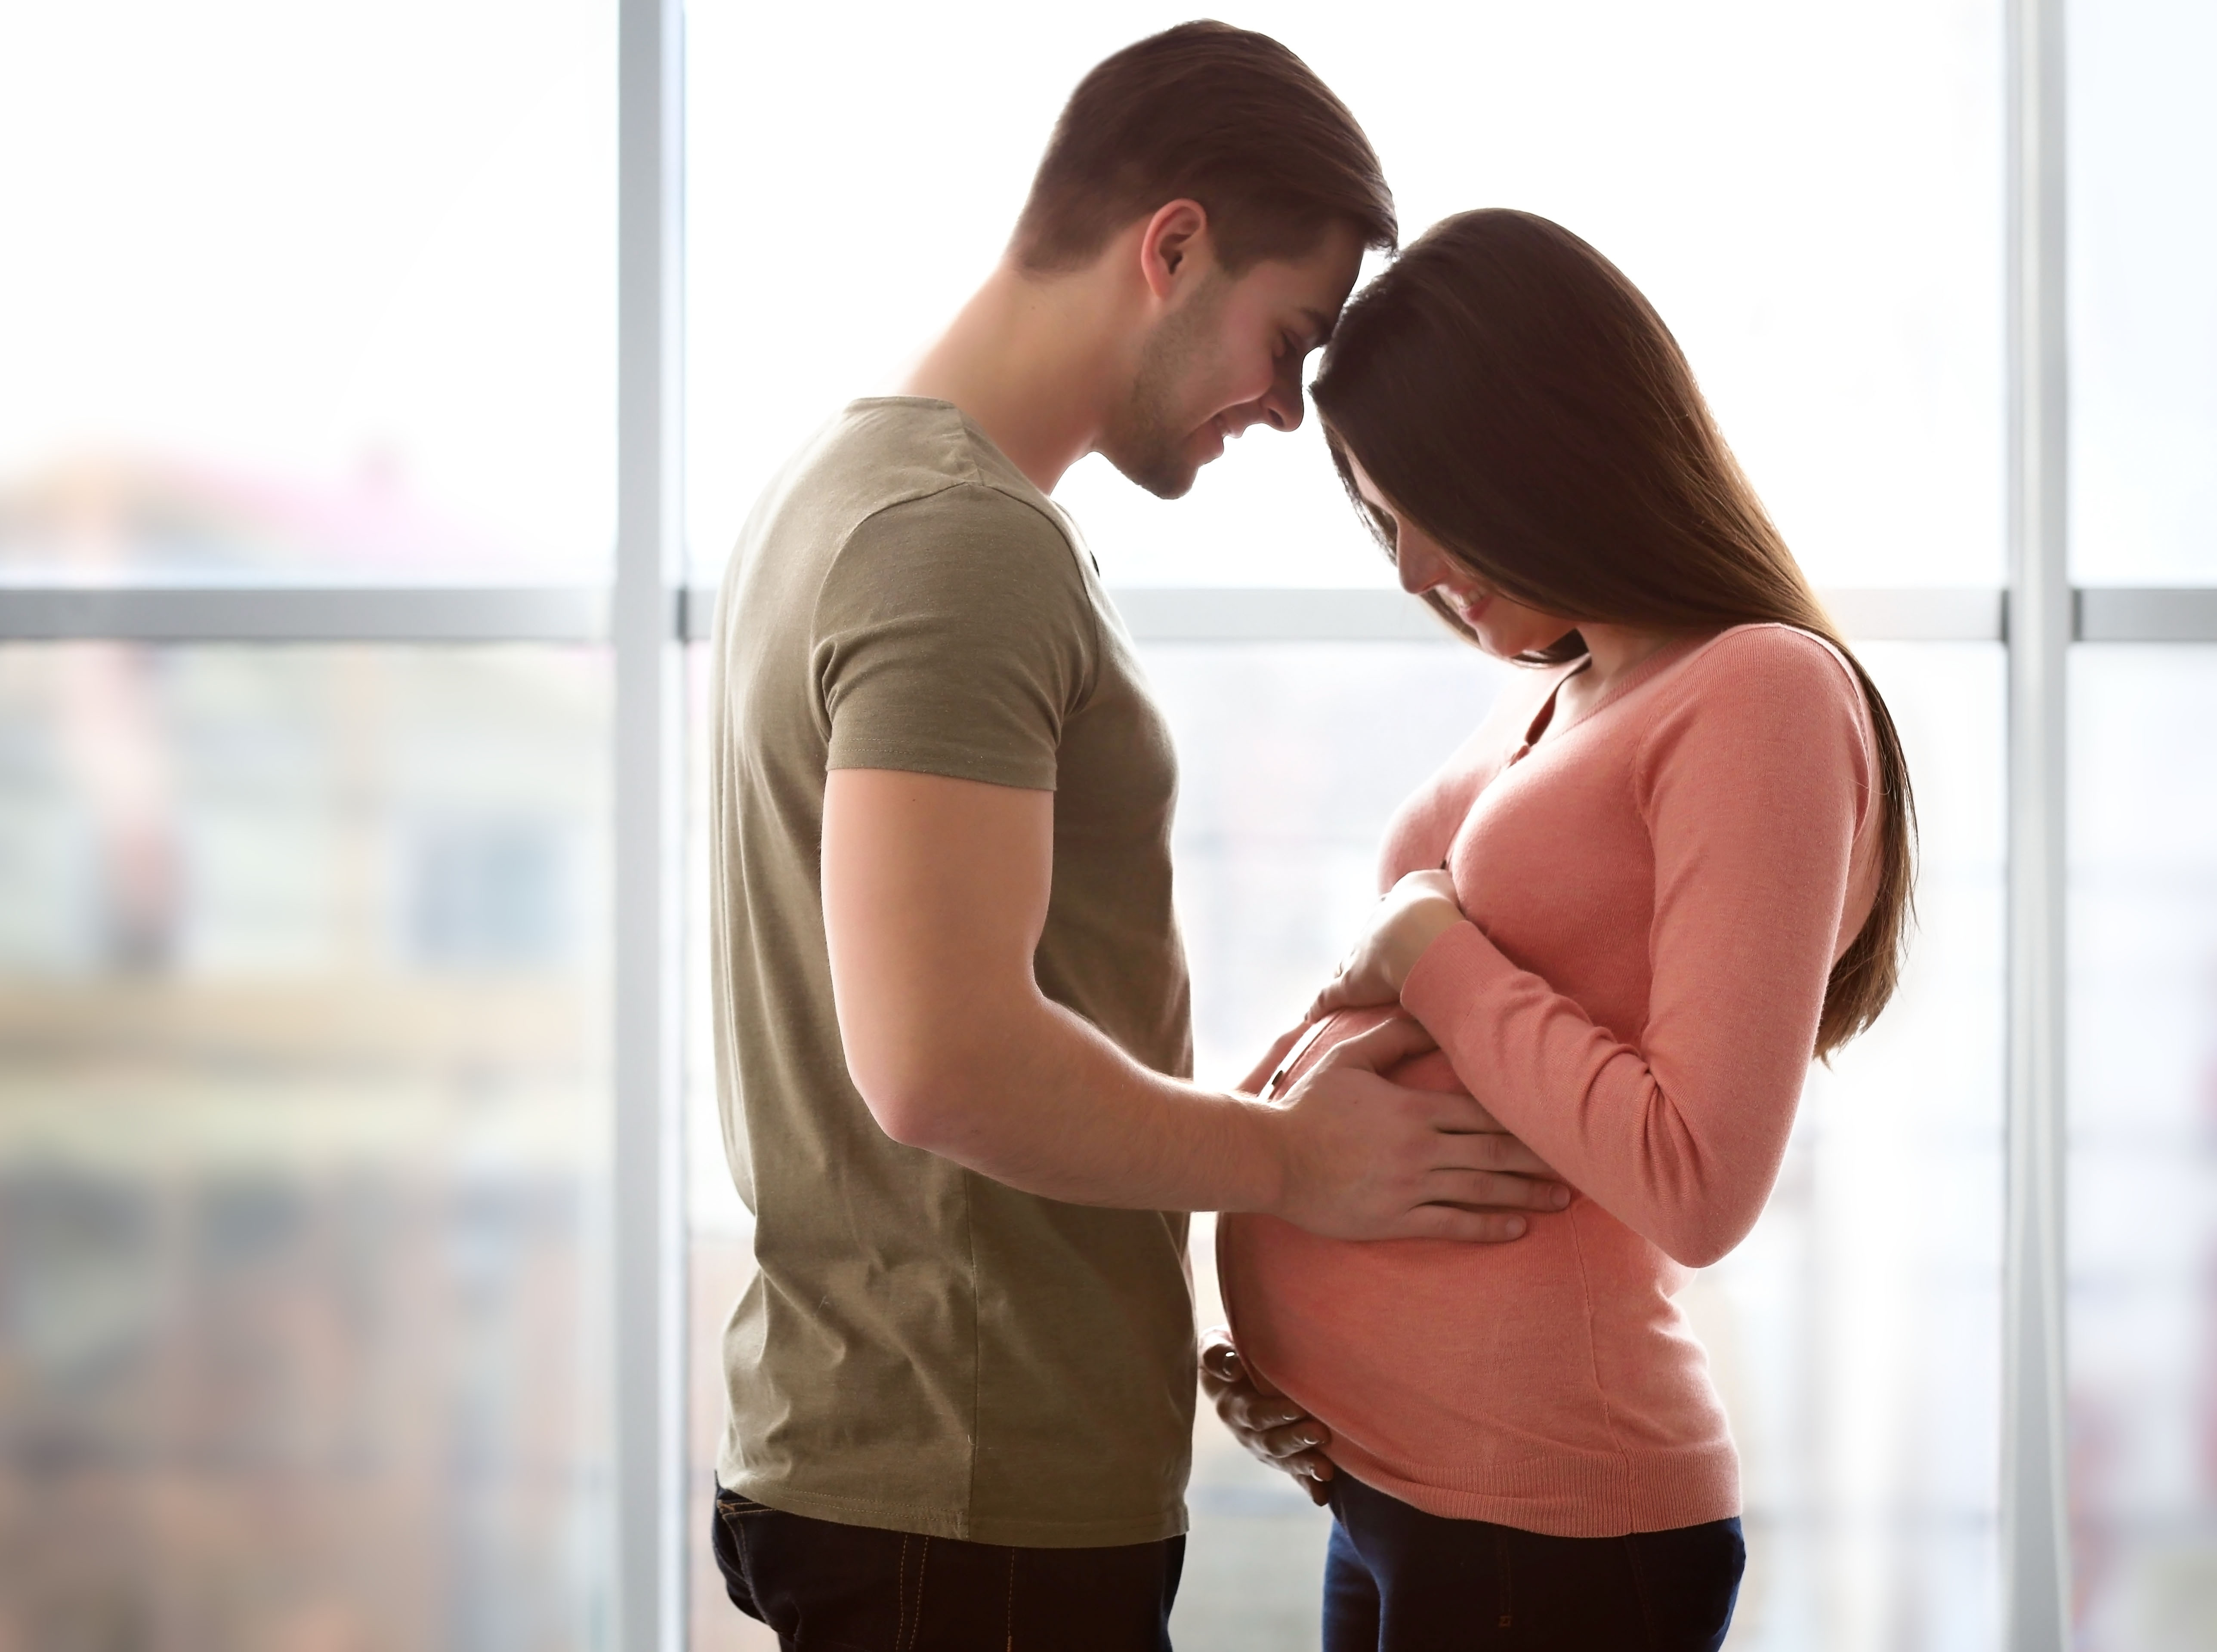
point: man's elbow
(930, 1066)
(918, 1103)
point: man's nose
(1280, 407)
(1283, 403)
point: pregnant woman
(1671, 868)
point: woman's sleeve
(1752, 783)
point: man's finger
(1503, 1154)
(1492, 1191)
(1282, 1444)
(1386, 1044)
(1310, 1470)
(1256, 1414)
(1462, 1112)
(1452, 1222)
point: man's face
(1231, 354)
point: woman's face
(1503, 626)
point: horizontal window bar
(307, 614)
(1166, 615)
(1942, 614)
(1220, 614)
(2108, 613)
(1169, 614)
(440, 613)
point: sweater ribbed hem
(1573, 1495)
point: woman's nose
(1419, 568)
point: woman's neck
(1612, 652)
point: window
(302, 1116)
(304, 964)
(2141, 1240)
(346, 1153)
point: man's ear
(1174, 247)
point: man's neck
(1034, 363)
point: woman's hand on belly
(1271, 1427)
(1408, 918)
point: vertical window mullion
(2035, 1535)
(647, 1274)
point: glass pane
(2143, 1134)
(1760, 169)
(2143, 286)
(1855, 1334)
(312, 292)
(1286, 777)
(303, 1080)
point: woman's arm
(1752, 796)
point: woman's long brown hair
(1512, 392)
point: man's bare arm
(934, 895)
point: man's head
(1245, 192)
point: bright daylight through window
(360, 493)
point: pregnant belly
(1459, 1364)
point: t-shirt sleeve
(953, 637)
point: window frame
(648, 614)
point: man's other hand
(1272, 1428)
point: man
(951, 1002)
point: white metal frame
(2044, 616)
(568, 614)
(647, 614)
(647, 1272)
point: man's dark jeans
(826, 1587)
(1399, 1580)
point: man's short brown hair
(1213, 113)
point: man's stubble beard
(1147, 438)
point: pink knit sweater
(1655, 895)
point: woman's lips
(1469, 610)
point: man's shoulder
(891, 492)
(924, 459)
(931, 505)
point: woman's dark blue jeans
(1399, 1580)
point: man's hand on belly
(1365, 1158)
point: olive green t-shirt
(923, 1349)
